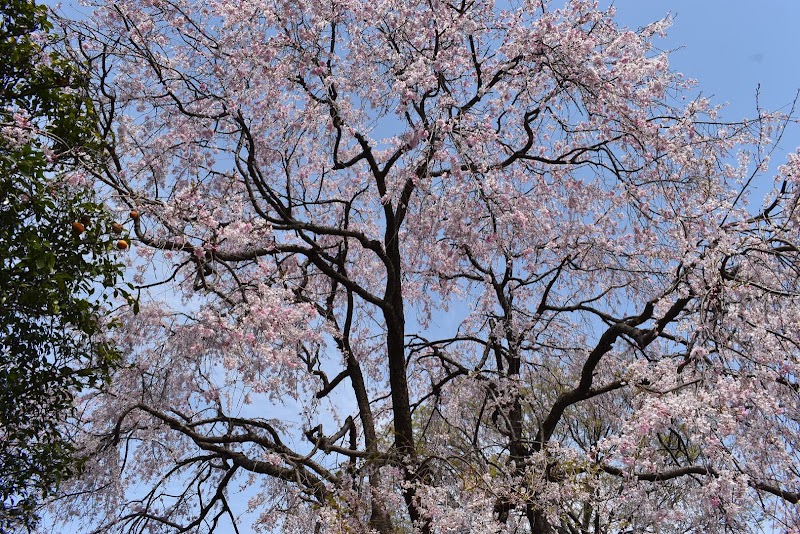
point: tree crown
(506, 274)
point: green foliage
(57, 266)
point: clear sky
(730, 47)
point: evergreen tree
(55, 255)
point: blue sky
(730, 47)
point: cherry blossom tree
(436, 266)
